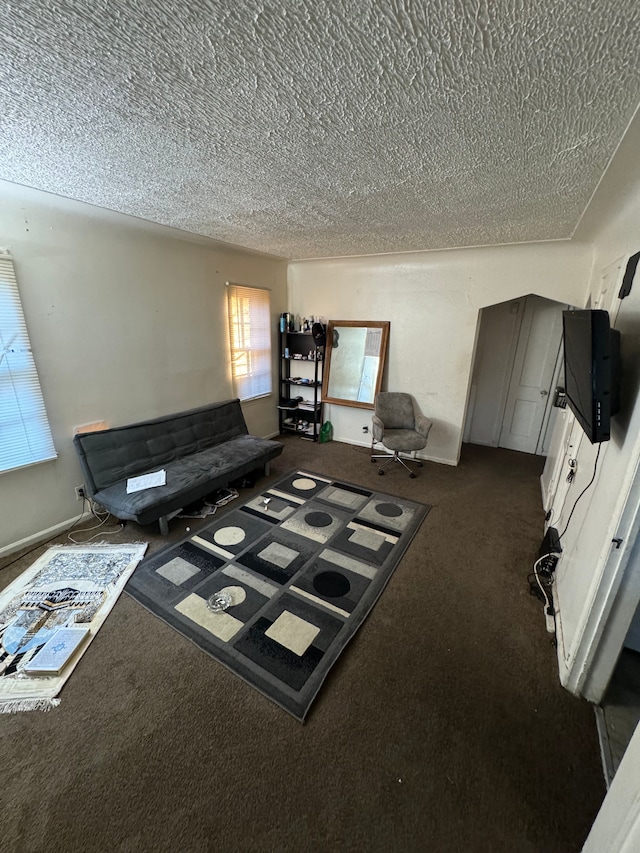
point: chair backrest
(395, 410)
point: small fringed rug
(68, 586)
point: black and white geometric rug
(303, 563)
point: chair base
(395, 457)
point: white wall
(611, 225)
(127, 321)
(432, 300)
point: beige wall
(432, 300)
(127, 321)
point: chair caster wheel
(419, 464)
(381, 473)
(412, 476)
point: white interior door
(551, 415)
(529, 389)
(497, 343)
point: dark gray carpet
(302, 564)
(442, 728)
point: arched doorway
(516, 370)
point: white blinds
(25, 436)
(250, 340)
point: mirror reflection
(356, 352)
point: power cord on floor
(543, 575)
(361, 448)
(101, 516)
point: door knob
(543, 393)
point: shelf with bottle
(289, 357)
(296, 325)
(300, 406)
(300, 346)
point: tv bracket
(629, 273)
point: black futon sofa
(201, 450)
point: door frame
(501, 404)
(519, 359)
(555, 380)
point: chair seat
(403, 439)
(400, 428)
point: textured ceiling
(311, 128)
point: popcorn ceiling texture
(322, 127)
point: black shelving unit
(300, 385)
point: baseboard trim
(41, 536)
(423, 457)
(563, 668)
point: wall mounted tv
(592, 370)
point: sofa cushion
(189, 479)
(116, 454)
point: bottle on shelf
(300, 414)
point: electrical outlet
(80, 493)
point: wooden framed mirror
(355, 355)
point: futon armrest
(423, 425)
(378, 428)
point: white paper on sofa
(146, 481)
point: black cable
(545, 575)
(536, 592)
(595, 468)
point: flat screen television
(592, 370)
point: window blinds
(25, 436)
(250, 340)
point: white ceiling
(314, 128)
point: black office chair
(398, 427)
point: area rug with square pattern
(276, 588)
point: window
(250, 340)
(25, 436)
